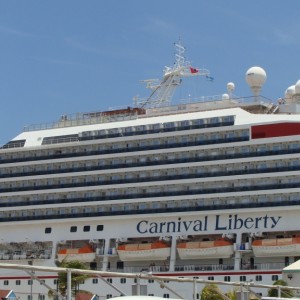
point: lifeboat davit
(276, 247)
(205, 249)
(83, 254)
(144, 251)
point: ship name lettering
(235, 222)
(172, 227)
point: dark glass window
(73, 229)
(48, 230)
(100, 227)
(86, 228)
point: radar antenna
(163, 91)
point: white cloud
(286, 37)
(15, 32)
(159, 27)
(81, 46)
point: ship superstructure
(205, 189)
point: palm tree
(285, 293)
(212, 292)
(75, 280)
(232, 294)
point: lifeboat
(144, 251)
(276, 247)
(83, 254)
(205, 249)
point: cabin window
(108, 296)
(243, 278)
(123, 280)
(95, 280)
(73, 229)
(6, 282)
(294, 146)
(100, 227)
(86, 228)
(211, 278)
(18, 282)
(245, 133)
(258, 278)
(109, 280)
(48, 230)
(184, 123)
(227, 278)
(156, 126)
(166, 296)
(274, 277)
(30, 282)
(214, 120)
(199, 122)
(74, 210)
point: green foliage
(231, 295)
(211, 292)
(76, 278)
(285, 293)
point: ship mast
(163, 91)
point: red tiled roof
(4, 293)
(84, 296)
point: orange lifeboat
(83, 254)
(144, 251)
(205, 249)
(276, 247)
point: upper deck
(257, 105)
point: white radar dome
(297, 87)
(289, 92)
(256, 77)
(225, 97)
(230, 86)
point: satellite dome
(256, 77)
(230, 86)
(290, 91)
(297, 87)
(225, 97)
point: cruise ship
(204, 188)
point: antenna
(163, 90)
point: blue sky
(67, 56)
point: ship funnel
(256, 77)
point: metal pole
(242, 293)
(31, 283)
(69, 285)
(195, 290)
(138, 286)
